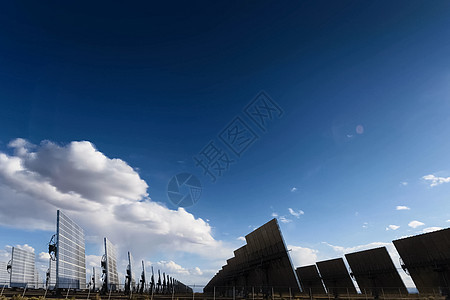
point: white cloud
(105, 196)
(296, 214)
(448, 220)
(294, 189)
(431, 229)
(43, 256)
(241, 238)
(415, 224)
(284, 220)
(302, 256)
(392, 227)
(25, 247)
(436, 180)
(365, 225)
(274, 214)
(404, 183)
(402, 207)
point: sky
(331, 116)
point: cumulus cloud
(25, 247)
(392, 227)
(404, 183)
(302, 256)
(435, 180)
(274, 214)
(296, 214)
(402, 207)
(415, 224)
(294, 189)
(104, 195)
(241, 238)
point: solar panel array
(22, 268)
(112, 277)
(375, 272)
(70, 256)
(262, 263)
(310, 280)
(335, 276)
(427, 259)
(4, 275)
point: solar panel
(70, 256)
(112, 277)
(310, 280)
(4, 276)
(263, 263)
(335, 276)
(426, 258)
(52, 278)
(22, 268)
(375, 272)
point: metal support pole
(193, 293)
(24, 290)
(109, 296)
(253, 292)
(68, 290)
(1, 294)
(214, 297)
(89, 293)
(272, 294)
(290, 294)
(152, 293)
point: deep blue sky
(152, 84)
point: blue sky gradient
(364, 87)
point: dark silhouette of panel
(374, 271)
(263, 263)
(426, 258)
(310, 280)
(335, 277)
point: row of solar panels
(67, 265)
(425, 257)
(264, 262)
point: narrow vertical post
(24, 290)
(382, 291)
(290, 294)
(152, 288)
(193, 292)
(67, 294)
(89, 293)
(109, 296)
(214, 297)
(173, 292)
(1, 294)
(365, 292)
(234, 292)
(253, 292)
(273, 294)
